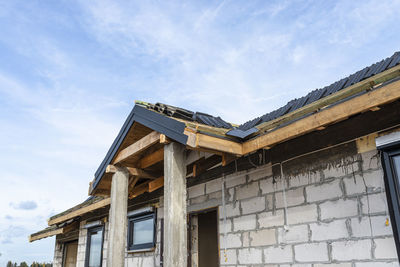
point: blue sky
(71, 70)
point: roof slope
(323, 92)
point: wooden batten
(138, 147)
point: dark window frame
(89, 232)
(137, 218)
(392, 185)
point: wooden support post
(175, 226)
(118, 218)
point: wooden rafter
(151, 159)
(138, 147)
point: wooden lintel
(71, 227)
(151, 159)
(81, 211)
(157, 183)
(138, 147)
(339, 112)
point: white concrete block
(363, 228)
(247, 191)
(376, 203)
(197, 190)
(302, 214)
(294, 234)
(268, 219)
(231, 257)
(346, 264)
(351, 250)
(385, 248)
(268, 185)
(311, 252)
(340, 170)
(262, 172)
(228, 225)
(246, 239)
(214, 186)
(230, 209)
(323, 191)
(338, 209)
(329, 231)
(244, 223)
(262, 237)
(294, 197)
(304, 179)
(377, 264)
(370, 160)
(250, 256)
(278, 254)
(235, 179)
(253, 205)
(232, 240)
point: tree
(23, 264)
(10, 264)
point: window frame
(88, 243)
(131, 222)
(392, 185)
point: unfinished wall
(335, 217)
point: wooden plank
(46, 234)
(212, 143)
(138, 147)
(140, 189)
(81, 211)
(157, 183)
(380, 96)
(151, 159)
(328, 100)
(141, 173)
(227, 158)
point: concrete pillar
(118, 219)
(175, 222)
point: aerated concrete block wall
(335, 216)
(58, 253)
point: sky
(70, 72)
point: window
(94, 249)
(391, 166)
(141, 231)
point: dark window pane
(143, 231)
(95, 248)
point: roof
(317, 94)
(171, 120)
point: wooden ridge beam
(380, 96)
(138, 147)
(81, 211)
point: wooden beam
(206, 164)
(46, 234)
(81, 211)
(141, 173)
(379, 96)
(212, 143)
(164, 139)
(139, 189)
(227, 158)
(331, 99)
(132, 183)
(157, 183)
(138, 147)
(151, 159)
